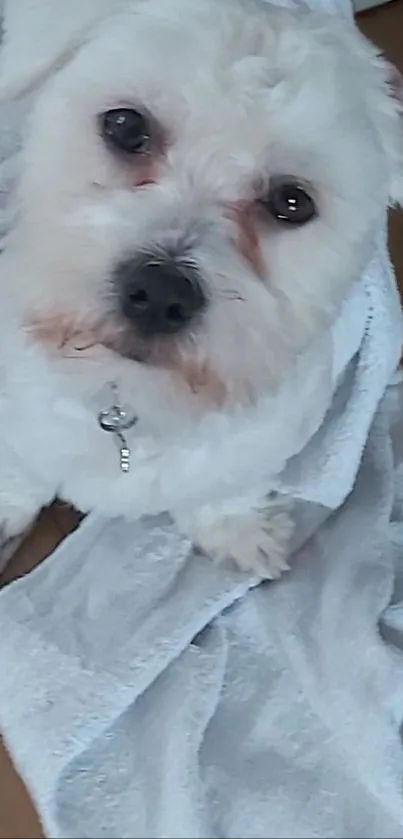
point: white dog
(199, 187)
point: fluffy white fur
(243, 92)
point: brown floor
(384, 26)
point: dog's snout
(160, 298)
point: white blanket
(146, 693)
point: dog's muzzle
(159, 297)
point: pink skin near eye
(145, 172)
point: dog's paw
(257, 540)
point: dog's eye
(289, 202)
(126, 130)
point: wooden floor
(384, 26)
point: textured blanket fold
(145, 692)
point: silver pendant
(115, 420)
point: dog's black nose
(160, 298)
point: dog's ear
(39, 34)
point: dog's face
(201, 184)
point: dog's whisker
(74, 357)
(85, 347)
(230, 295)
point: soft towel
(143, 694)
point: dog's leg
(256, 537)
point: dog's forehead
(234, 70)
(230, 50)
(237, 95)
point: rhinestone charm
(115, 420)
